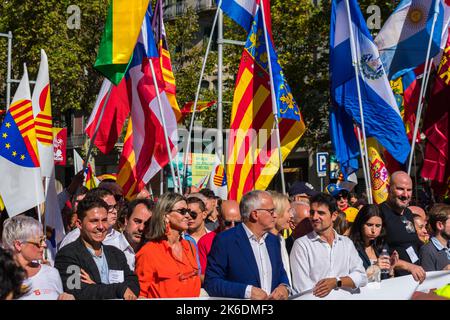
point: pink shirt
(204, 246)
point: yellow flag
(379, 175)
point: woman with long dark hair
(367, 233)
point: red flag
(59, 146)
(201, 105)
(116, 111)
(436, 124)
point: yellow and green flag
(122, 28)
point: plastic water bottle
(384, 272)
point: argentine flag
(381, 115)
(403, 40)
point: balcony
(173, 10)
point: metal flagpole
(368, 188)
(219, 150)
(274, 102)
(356, 67)
(426, 76)
(161, 182)
(166, 137)
(188, 146)
(97, 126)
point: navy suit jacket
(232, 266)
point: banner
(59, 146)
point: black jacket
(75, 255)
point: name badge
(116, 276)
(412, 254)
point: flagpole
(274, 102)
(191, 125)
(356, 67)
(166, 137)
(219, 150)
(97, 126)
(427, 69)
(368, 188)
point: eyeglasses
(229, 223)
(39, 243)
(111, 208)
(184, 211)
(193, 214)
(271, 211)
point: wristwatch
(338, 282)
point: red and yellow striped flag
(253, 149)
(164, 59)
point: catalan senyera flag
(21, 187)
(201, 105)
(164, 58)
(253, 158)
(122, 28)
(42, 111)
(126, 177)
(379, 175)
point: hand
(384, 262)
(66, 296)
(129, 295)
(258, 294)
(393, 260)
(279, 293)
(447, 267)
(417, 272)
(324, 287)
(85, 278)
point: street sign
(321, 163)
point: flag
(381, 115)
(201, 105)
(217, 181)
(253, 158)
(126, 177)
(203, 182)
(116, 111)
(59, 146)
(21, 187)
(403, 40)
(119, 37)
(150, 149)
(42, 111)
(379, 175)
(436, 124)
(90, 180)
(241, 11)
(53, 217)
(164, 58)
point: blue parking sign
(321, 163)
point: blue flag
(381, 115)
(241, 11)
(403, 40)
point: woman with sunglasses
(166, 265)
(24, 237)
(284, 215)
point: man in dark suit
(245, 261)
(89, 269)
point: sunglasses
(229, 223)
(184, 211)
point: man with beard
(401, 234)
(435, 255)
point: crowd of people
(267, 246)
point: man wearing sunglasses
(196, 219)
(229, 217)
(245, 261)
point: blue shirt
(102, 264)
(439, 246)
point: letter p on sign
(321, 163)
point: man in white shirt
(323, 260)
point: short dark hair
(11, 276)
(99, 193)
(326, 199)
(198, 201)
(208, 193)
(89, 202)
(439, 212)
(130, 206)
(356, 231)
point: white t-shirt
(44, 285)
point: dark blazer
(76, 254)
(232, 265)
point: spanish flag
(379, 175)
(122, 28)
(253, 149)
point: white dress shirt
(313, 259)
(262, 258)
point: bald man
(301, 225)
(401, 234)
(229, 217)
(419, 211)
